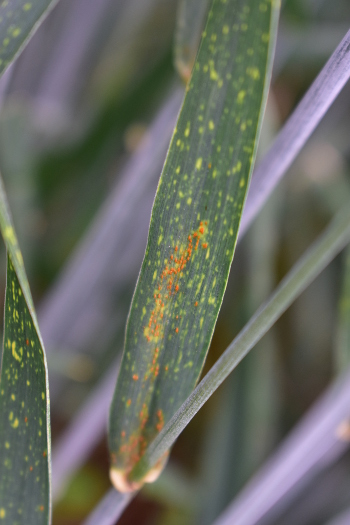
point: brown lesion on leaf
(167, 287)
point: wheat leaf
(194, 228)
(24, 397)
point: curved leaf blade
(24, 398)
(18, 20)
(24, 478)
(194, 227)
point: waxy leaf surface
(194, 227)
(24, 399)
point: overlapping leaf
(24, 398)
(194, 227)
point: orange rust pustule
(160, 417)
(135, 447)
(166, 288)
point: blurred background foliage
(94, 83)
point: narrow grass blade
(298, 129)
(24, 398)
(18, 20)
(341, 519)
(321, 253)
(110, 508)
(318, 441)
(343, 335)
(193, 230)
(190, 22)
(247, 405)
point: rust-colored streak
(167, 287)
(160, 418)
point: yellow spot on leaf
(9, 233)
(253, 72)
(199, 163)
(14, 353)
(241, 96)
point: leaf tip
(121, 483)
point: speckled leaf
(194, 227)
(24, 400)
(18, 20)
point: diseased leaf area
(194, 227)
(17, 19)
(24, 471)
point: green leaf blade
(24, 479)
(18, 19)
(25, 441)
(194, 227)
